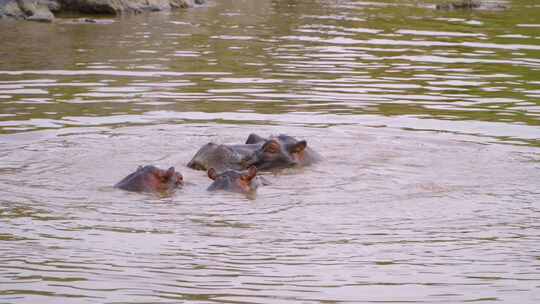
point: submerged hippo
(151, 179)
(234, 181)
(266, 154)
(222, 157)
(280, 151)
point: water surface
(428, 122)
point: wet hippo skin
(222, 157)
(280, 151)
(151, 179)
(234, 180)
(275, 152)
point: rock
(179, 4)
(32, 10)
(36, 10)
(10, 8)
(466, 4)
(99, 21)
(41, 15)
(53, 5)
(470, 5)
(41, 10)
(92, 6)
(117, 7)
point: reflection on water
(428, 121)
(353, 58)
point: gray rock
(99, 21)
(41, 10)
(10, 8)
(470, 5)
(92, 6)
(117, 7)
(36, 10)
(33, 10)
(53, 5)
(186, 3)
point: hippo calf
(234, 181)
(151, 179)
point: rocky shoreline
(45, 10)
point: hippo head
(151, 179)
(234, 181)
(281, 151)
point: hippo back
(222, 157)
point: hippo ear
(298, 147)
(252, 172)
(169, 173)
(212, 174)
(254, 138)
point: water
(428, 122)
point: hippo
(276, 152)
(222, 157)
(151, 179)
(280, 151)
(234, 181)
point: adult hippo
(151, 179)
(222, 157)
(234, 181)
(280, 151)
(276, 152)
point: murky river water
(428, 122)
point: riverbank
(45, 10)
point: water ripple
(427, 121)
